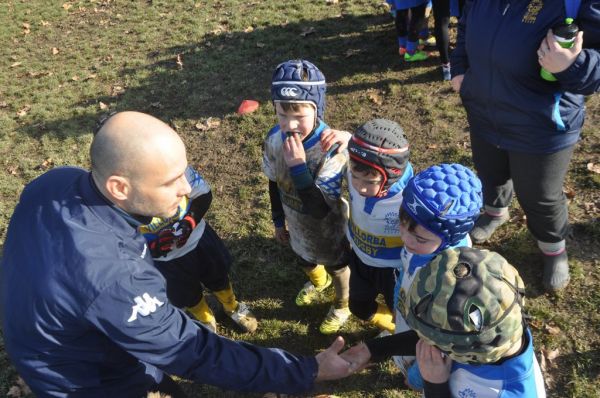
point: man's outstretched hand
(331, 365)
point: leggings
(441, 17)
(410, 27)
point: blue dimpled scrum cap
(445, 199)
(299, 81)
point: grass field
(189, 63)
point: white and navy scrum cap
(299, 81)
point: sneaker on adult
(334, 320)
(446, 73)
(556, 272)
(485, 226)
(309, 292)
(417, 56)
(244, 318)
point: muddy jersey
(151, 230)
(319, 241)
(373, 228)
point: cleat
(417, 56)
(334, 320)
(446, 74)
(244, 318)
(309, 292)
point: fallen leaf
(569, 192)
(330, 2)
(179, 61)
(117, 90)
(307, 31)
(594, 168)
(249, 29)
(24, 387)
(23, 111)
(554, 330)
(375, 98)
(26, 28)
(66, 6)
(156, 105)
(74, 78)
(44, 23)
(432, 146)
(102, 106)
(54, 51)
(260, 45)
(46, 164)
(91, 76)
(13, 170)
(208, 124)
(351, 52)
(15, 64)
(3, 104)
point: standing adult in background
(524, 128)
(84, 310)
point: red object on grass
(247, 106)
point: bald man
(84, 309)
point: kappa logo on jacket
(144, 305)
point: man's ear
(118, 188)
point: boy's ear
(118, 187)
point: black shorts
(207, 266)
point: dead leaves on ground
(208, 124)
(18, 390)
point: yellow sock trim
(317, 275)
(383, 319)
(202, 312)
(227, 298)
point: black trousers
(410, 27)
(206, 266)
(537, 180)
(366, 283)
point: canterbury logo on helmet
(289, 92)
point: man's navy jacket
(507, 101)
(85, 312)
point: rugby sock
(202, 312)
(402, 40)
(227, 298)
(317, 275)
(341, 284)
(383, 318)
(411, 47)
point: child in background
(439, 208)
(466, 307)
(442, 10)
(410, 22)
(305, 187)
(379, 170)
(191, 256)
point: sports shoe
(429, 42)
(308, 293)
(446, 74)
(556, 272)
(486, 225)
(417, 56)
(244, 318)
(402, 51)
(334, 320)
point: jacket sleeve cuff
(301, 176)
(573, 72)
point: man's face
(159, 189)
(366, 184)
(301, 121)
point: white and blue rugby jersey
(374, 224)
(316, 241)
(151, 230)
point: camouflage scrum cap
(468, 303)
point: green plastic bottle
(564, 34)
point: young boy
(379, 170)
(305, 187)
(191, 256)
(440, 206)
(466, 307)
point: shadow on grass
(220, 71)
